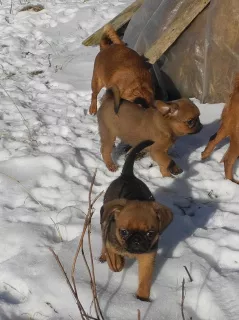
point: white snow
(49, 149)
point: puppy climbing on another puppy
(123, 70)
(229, 128)
(133, 124)
(131, 223)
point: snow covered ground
(49, 150)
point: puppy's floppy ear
(111, 208)
(167, 109)
(164, 214)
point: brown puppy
(134, 124)
(123, 69)
(131, 222)
(229, 128)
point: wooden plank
(173, 31)
(120, 20)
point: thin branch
(96, 301)
(91, 281)
(139, 315)
(183, 298)
(189, 275)
(80, 246)
(79, 305)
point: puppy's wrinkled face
(137, 227)
(183, 115)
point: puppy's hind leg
(146, 268)
(214, 140)
(96, 86)
(229, 160)
(107, 144)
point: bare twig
(91, 271)
(87, 220)
(93, 284)
(183, 298)
(189, 275)
(139, 316)
(80, 247)
(79, 305)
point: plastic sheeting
(204, 59)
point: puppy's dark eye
(124, 233)
(191, 123)
(150, 234)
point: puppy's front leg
(146, 267)
(167, 165)
(102, 257)
(115, 261)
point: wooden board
(173, 31)
(117, 23)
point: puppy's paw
(112, 167)
(174, 168)
(143, 298)
(102, 258)
(93, 110)
(204, 155)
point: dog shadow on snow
(189, 213)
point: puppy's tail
(117, 99)
(128, 168)
(109, 35)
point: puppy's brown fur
(229, 128)
(133, 215)
(122, 68)
(134, 124)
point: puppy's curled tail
(128, 168)
(109, 33)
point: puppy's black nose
(137, 243)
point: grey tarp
(203, 60)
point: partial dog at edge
(131, 224)
(133, 124)
(229, 128)
(123, 70)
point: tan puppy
(131, 223)
(162, 124)
(123, 69)
(229, 128)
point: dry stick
(96, 301)
(81, 239)
(93, 284)
(183, 297)
(189, 275)
(79, 305)
(80, 246)
(91, 281)
(139, 316)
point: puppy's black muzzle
(138, 243)
(198, 127)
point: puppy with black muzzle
(132, 222)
